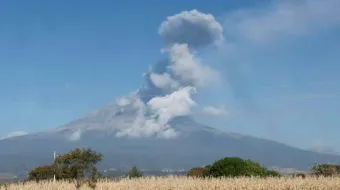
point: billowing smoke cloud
(187, 69)
(191, 27)
(164, 81)
(175, 104)
(160, 111)
(183, 69)
(171, 83)
(177, 77)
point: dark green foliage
(42, 173)
(235, 167)
(198, 172)
(325, 169)
(78, 165)
(134, 173)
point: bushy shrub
(300, 175)
(45, 172)
(134, 173)
(198, 172)
(326, 170)
(235, 167)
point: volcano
(195, 145)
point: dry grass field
(181, 183)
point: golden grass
(181, 183)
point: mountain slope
(196, 145)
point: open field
(4, 176)
(181, 183)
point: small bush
(300, 175)
(134, 173)
(198, 172)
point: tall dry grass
(181, 183)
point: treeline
(236, 167)
(78, 166)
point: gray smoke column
(170, 84)
(193, 28)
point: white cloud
(214, 111)
(191, 27)
(283, 18)
(187, 68)
(14, 134)
(164, 81)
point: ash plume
(170, 84)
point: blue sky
(279, 65)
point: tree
(234, 167)
(134, 173)
(80, 162)
(78, 165)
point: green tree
(255, 169)
(235, 167)
(78, 165)
(134, 173)
(45, 172)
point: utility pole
(54, 155)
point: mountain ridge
(196, 145)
